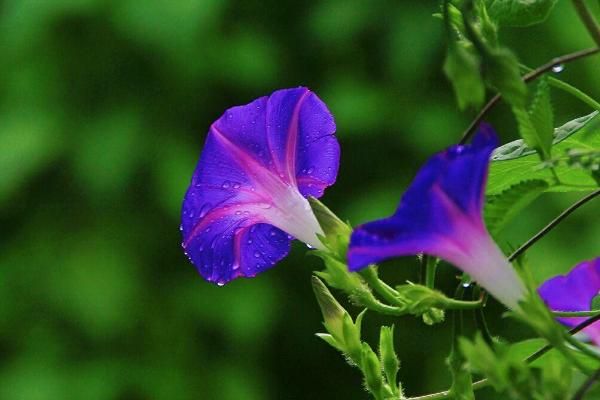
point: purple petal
(445, 196)
(574, 292)
(441, 214)
(247, 193)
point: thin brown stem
(552, 224)
(588, 20)
(530, 76)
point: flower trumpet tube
(247, 198)
(441, 215)
(575, 292)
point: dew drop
(310, 170)
(558, 68)
(466, 284)
(273, 233)
(256, 254)
(220, 283)
(236, 185)
(205, 208)
(226, 185)
(309, 246)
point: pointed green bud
(337, 233)
(353, 347)
(371, 368)
(333, 312)
(387, 352)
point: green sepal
(332, 311)
(352, 343)
(462, 380)
(337, 275)
(337, 232)
(389, 359)
(371, 368)
(330, 340)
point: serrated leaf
(501, 70)
(503, 207)
(510, 171)
(519, 12)
(462, 380)
(528, 132)
(519, 148)
(542, 118)
(462, 67)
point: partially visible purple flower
(247, 198)
(575, 292)
(441, 214)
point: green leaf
(508, 168)
(519, 148)
(501, 208)
(542, 118)
(501, 70)
(462, 67)
(528, 132)
(519, 12)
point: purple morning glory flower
(247, 198)
(575, 292)
(441, 214)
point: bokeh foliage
(104, 105)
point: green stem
(587, 385)
(591, 313)
(370, 276)
(582, 347)
(552, 224)
(531, 358)
(453, 304)
(536, 73)
(588, 20)
(570, 89)
(369, 301)
(431, 264)
(446, 393)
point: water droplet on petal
(236, 185)
(309, 246)
(256, 254)
(225, 185)
(310, 170)
(220, 283)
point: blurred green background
(104, 105)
